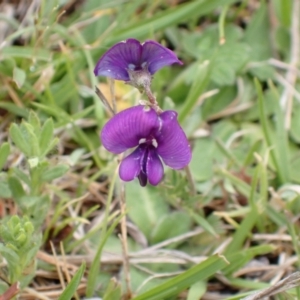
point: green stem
(222, 18)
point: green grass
(227, 229)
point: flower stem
(152, 100)
(190, 180)
(123, 238)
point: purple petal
(173, 146)
(127, 128)
(142, 179)
(157, 56)
(154, 167)
(130, 166)
(118, 59)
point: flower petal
(173, 146)
(157, 56)
(142, 179)
(154, 167)
(130, 166)
(127, 128)
(118, 59)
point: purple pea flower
(134, 62)
(155, 137)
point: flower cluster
(155, 134)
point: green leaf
(243, 187)
(19, 139)
(295, 125)
(54, 111)
(202, 221)
(206, 155)
(230, 58)
(250, 155)
(71, 288)
(170, 225)
(283, 9)
(54, 172)
(281, 140)
(240, 258)
(201, 79)
(22, 175)
(113, 291)
(181, 282)
(4, 190)
(227, 153)
(276, 216)
(105, 233)
(145, 206)
(166, 18)
(14, 109)
(245, 284)
(257, 34)
(94, 270)
(4, 152)
(263, 71)
(33, 53)
(34, 121)
(46, 137)
(3, 287)
(11, 256)
(29, 132)
(197, 290)
(242, 233)
(200, 44)
(19, 77)
(7, 66)
(16, 188)
(282, 173)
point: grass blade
(167, 18)
(179, 283)
(70, 290)
(267, 131)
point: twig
(30, 11)
(56, 260)
(59, 272)
(288, 283)
(159, 256)
(207, 95)
(65, 268)
(175, 239)
(282, 65)
(271, 237)
(288, 86)
(104, 100)
(12, 291)
(113, 94)
(286, 100)
(162, 275)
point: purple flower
(155, 136)
(126, 57)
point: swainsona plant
(155, 133)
